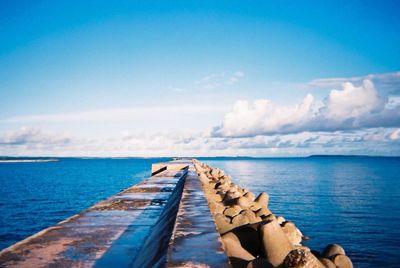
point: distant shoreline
(27, 160)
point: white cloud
(353, 102)
(220, 80)
(263, 117)
(29, 135)
(395, 135)
(35, 142)
(351, 107)
(121, 114)
(386, 82)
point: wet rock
(233, 247)
(223, 223)
(214, 197)
(203, 179)
(299, 258)
(216, 207)
(211, 185)
(280, 219)
(232, 211)
(293, 234)
(259, 263)
(264, 211)
(332, 250)
(243, 202)
(327, 263)
(250, 196)
(303, 248)
(222, 186)
(342, 261)
(249, 239)
(275, 243)
(230, 196)
(240, 220)
(267, 218)
(255, 207)
(262, 199)
(250, 215)
(241, 191)
(217, 173)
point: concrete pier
(195, 241)
(162, 221)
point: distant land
(14, 159)
(26, 159)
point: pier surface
(162, 221)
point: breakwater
(166, 220)
(146, 225)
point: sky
(199, 78)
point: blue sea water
(352, 201)
(34, 196)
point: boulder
(223, 223)
(230, 196)
(214, 197)
(300, 258)
(259, 263)
(250, 196)
(262, 199)
(249, 239)
(269, 217)
(280, 219)
(293, 234)
(240, 220)
(275, 243)
(216, 207)
(333, 249)
(233, 247)
(255, 206)
(342, 261)
(232, 211)
(243, 202)
(203, 179)
(264, 211)
(327, 263)
(250, 215)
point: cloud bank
(351, 108)
(356, 118)
(386, 82)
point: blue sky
(157, 78)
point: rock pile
(252, 235)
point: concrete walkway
(195, 240)
(132, 229)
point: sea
(353, 201)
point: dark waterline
(34, 196)
(352, 201)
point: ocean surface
(352, 201)
(34, 196)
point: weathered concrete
(115, 232)
(195, 242)
(132, 229)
